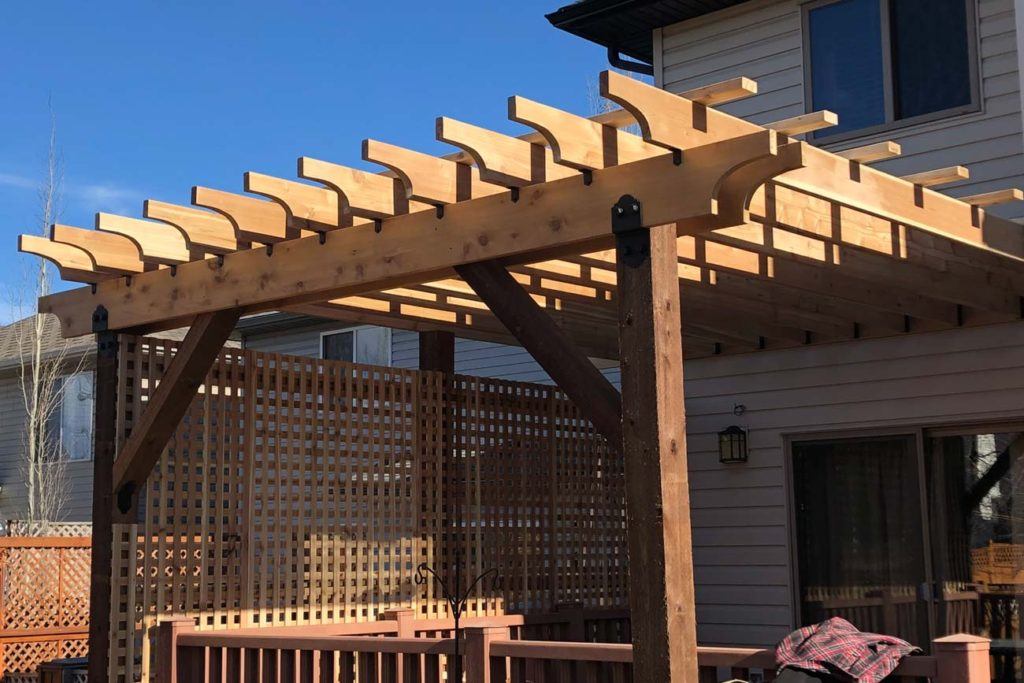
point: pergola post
(104, 447)
(661, 594)
(437, 351)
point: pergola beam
(566, 218)
(574, 373)
(675, 123)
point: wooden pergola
(705, 233)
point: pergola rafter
(815, 233)
(706, 232)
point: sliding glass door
(859, 530)
(975, 495)
(918, 535)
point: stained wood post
(576, 626)
(661, 595)
(404, 622)
(167, 647)
(437, 351)
(104, 447)
(962, 658)
(478, 652)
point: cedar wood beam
(169, 402)
(582, 382)
(565, 216)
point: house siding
(13, 495)
(763, 40)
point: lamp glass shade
(732, 445)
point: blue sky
(153, 97)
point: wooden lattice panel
(542, 501)
(16, 527)
(44, 602)
(301, 491)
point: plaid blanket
(837, 648)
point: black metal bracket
(125, 494)
(100, 319)
(632, 241)
(626, 216)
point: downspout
(616, 60)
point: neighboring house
(71, 425)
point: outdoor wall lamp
(732, 445)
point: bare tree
(43, 364)
(600, 105)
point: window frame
(973, 70)
(58, 423)
(354, 329)
(919, 430)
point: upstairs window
(883, 62)
(370, 345)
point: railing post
(962, 658)
(478, 652)
(573, 612)
(404, 628)
(404, 622)
(167, 647)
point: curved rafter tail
(158, 243)
(72, 263)
(203, 230)
(427, 178)
(110, 252)
(254, 220)
(502, 159)
(306, 205)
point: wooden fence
(44, 602)
(300, 491)
(494, 650)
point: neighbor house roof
(16, 338)
(626, 25)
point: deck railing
(400, 649)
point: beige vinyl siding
(763, 40)
(740, 512)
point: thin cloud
(105, 197)
(17, 181)
(91, 196)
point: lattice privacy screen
(44, 603)
(302, 491)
